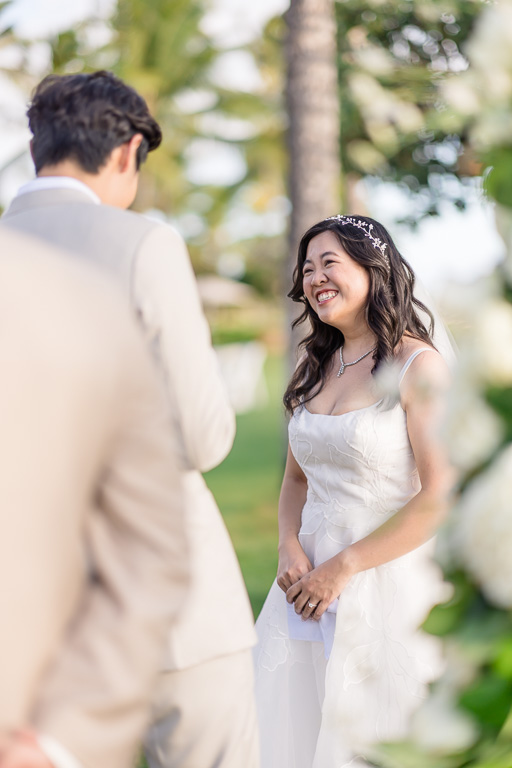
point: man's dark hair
(84, 117)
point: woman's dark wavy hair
(391, 309)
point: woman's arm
(423, 397)
(293, 563)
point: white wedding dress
(319, 712)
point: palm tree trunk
(312, 98)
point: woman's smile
(322, 297)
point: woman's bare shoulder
(428, 371)
(408, 346)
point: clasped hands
(312, 590)
(20, 749)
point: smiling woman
(373, 306)
(340, 662)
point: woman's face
(335, 285)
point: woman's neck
(358, 340)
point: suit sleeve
(166, 296)
(96, 697)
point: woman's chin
(328, 315)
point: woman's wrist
(287, 540)
(348, 561)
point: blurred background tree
(221, 173)
(313, 136)
(392, 57)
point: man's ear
(128, 155)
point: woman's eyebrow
(322, 256)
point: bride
(340, 663)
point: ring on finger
(313, 605)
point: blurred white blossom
(473, 430)
(438, 727)
(461, 94)
(483, 535)
(493, 343)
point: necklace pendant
(341, 370)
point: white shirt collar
(57, 182)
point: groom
(91, 133)
(93, 550)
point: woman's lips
(324, 296)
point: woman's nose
(318, 277)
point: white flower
(493, 342)
(483, 534)
(490, 47)
(438, 727)
(473, 431)
(461, 94)
(461, 303)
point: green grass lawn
(246, 487)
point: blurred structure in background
(235, 306)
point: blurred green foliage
(407, 48)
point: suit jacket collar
(46, 197)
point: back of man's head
(84, 117)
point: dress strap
(410, 360)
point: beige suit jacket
(93, 550)
(151, 262)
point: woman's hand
(316, 590)
(293, 564)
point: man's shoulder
(131, 219)
(115, 237)
(71, 208)
(132, 223)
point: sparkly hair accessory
(365, 227)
